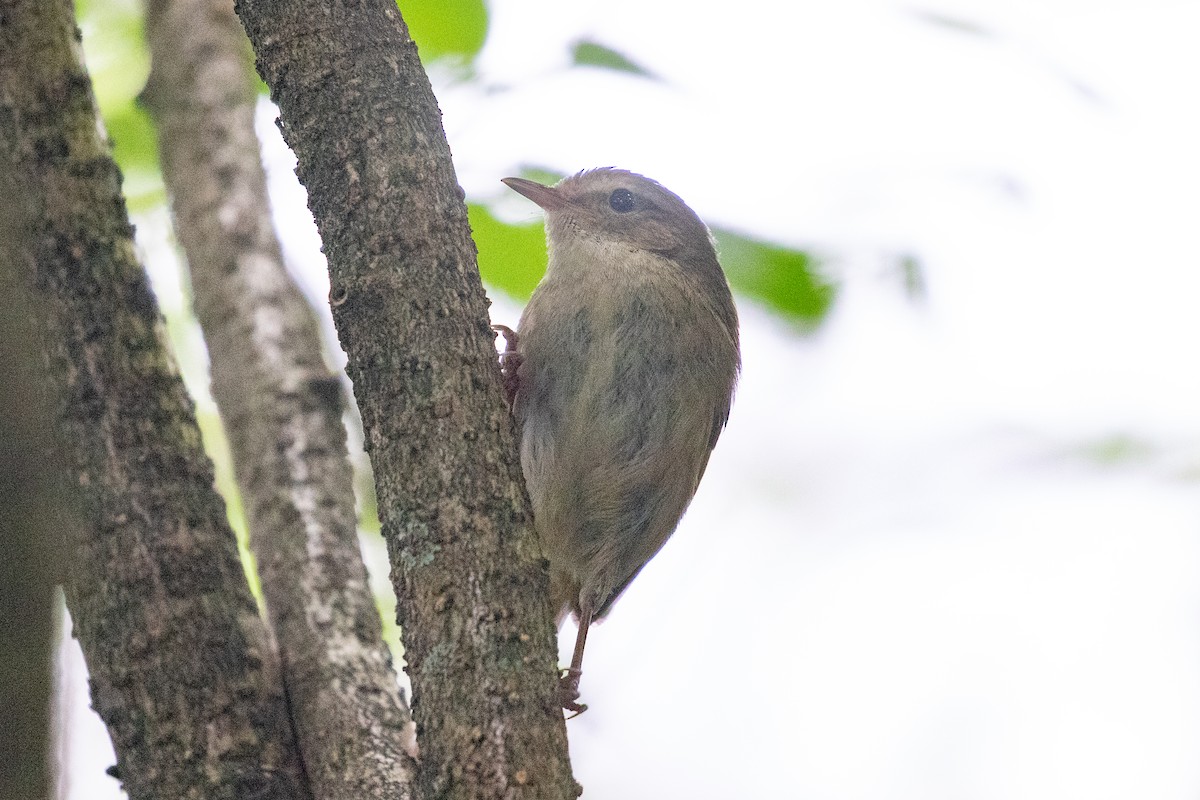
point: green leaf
(118, 61)
(785, 280)
(586, 53)
(512, 258)
(446, 28)
(115, 50)
(911, 273)
(1117, 449)
(135, 148)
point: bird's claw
(568, 692)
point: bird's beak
(547, 197)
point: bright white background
(947, 548)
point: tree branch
(31, 501)
(357, 108)
(282, 410)
(181, 667)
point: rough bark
(181, 667)
(282, 409)
(358, 110)
(29, 496)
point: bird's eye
(621, 201)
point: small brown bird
(621, 373)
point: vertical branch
(30, 498)
(281, 406)
(471, 584)
(182, 671)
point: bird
(620, 375)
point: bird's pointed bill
(545, 196)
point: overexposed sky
(947, 548)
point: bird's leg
(510, 361)
(568, 684)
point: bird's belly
(614, 436)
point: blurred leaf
(212, 432)
(592, 54)
(444, 28)
(364, 487)
(260, 85)
(114, 46)
(785, 280)
(512, 258)
(118, 60)
(1117, 449)
(135, 147)
(912, 277)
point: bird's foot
(510, 361)
(568, 692)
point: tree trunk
(282, 409)
(470, 580)
(181, 665)
(31, 503)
